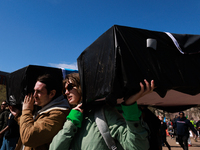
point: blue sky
(53, 33)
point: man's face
(181, 115)
(3, 105)
(40, 95)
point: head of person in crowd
(3, 105)
(181, 114)
(46, 89)
(72, 89)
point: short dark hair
(181, 112)
(52, 83)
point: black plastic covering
(114, 64)
(21, 82)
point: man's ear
(52, 93)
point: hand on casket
(149, 88)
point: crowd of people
(181, 129)
(53, 118)
(59, 122)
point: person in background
(4, 112)
(182, 124)
(198, 128)
(163, 129)
(170, 128)
(81, 132)
(11, 135)
(189, 140)
(38, 130)
(194, 124)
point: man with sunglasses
(38, 130)
(183, 125)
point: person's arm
(9, 122)
(131, 133)
(39, 132)
(64, 137)
(16, 113)
(3, 131)
(149, 88)
(34, 134)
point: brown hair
(75, 79)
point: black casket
(21, 82)
(122, 57)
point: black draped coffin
(114, 64)
(21, 82)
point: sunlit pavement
(174, 146)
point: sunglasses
(70, 86)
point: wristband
(76, 117)
(131, 112)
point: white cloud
(63, 65)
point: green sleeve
(62, 140)
(131, 112)
(129, 134)
(76, 117)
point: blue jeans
(9, 144)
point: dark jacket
(13, 131)
(163, 128)
(183, 125)
(198, 125)
(3, 119)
